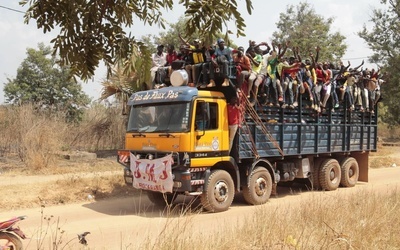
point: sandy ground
(125, 223)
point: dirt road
(128, 222)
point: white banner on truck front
(153, 175)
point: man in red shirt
(243, 62)
(171, 54)
(234, 119)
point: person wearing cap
(223, 55)
(158, 59)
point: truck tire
(160, 199)
(258, 189)
(314, 178)
(329, 175)
(350, 172)
(218, 195)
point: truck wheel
(218, 195)
(160, 199)
(314, 178)
(329, 175)
(259, 188)
(350, 172)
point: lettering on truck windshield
(153, 95)
(159, 117)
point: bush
(38, 137)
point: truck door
(207, 127)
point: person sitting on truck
(255, 78)
(284, 69)
(187, 58)
(171, 54)
(220, 62)
(347, 90)
(158, 59)
(327, 86)
(295, 76)
(320, 73)
(198, 54)
(243, 62)
(272, 62)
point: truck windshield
(162, 117)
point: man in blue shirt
(223, 55)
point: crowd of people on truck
(267, 75)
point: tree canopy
(384, 39)
(91, 31)
(305, 29)
(41, 82)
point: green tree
(171, 35)
(41, 82)
(384, 39)
(91, 31)
(306, 29)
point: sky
(349, 15)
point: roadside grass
(363, 219)
(87, 184)
(386, 156)
(37, 138)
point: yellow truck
(177, 143)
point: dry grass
(362, 220)
(386, 156)
(37, 138)
(86, 180)
(387, 133)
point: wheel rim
(351, 172)
(333, 175)
(221, 191)
(260, 186)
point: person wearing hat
(223, 55)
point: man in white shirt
(159, 59)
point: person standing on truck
(234, 119)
